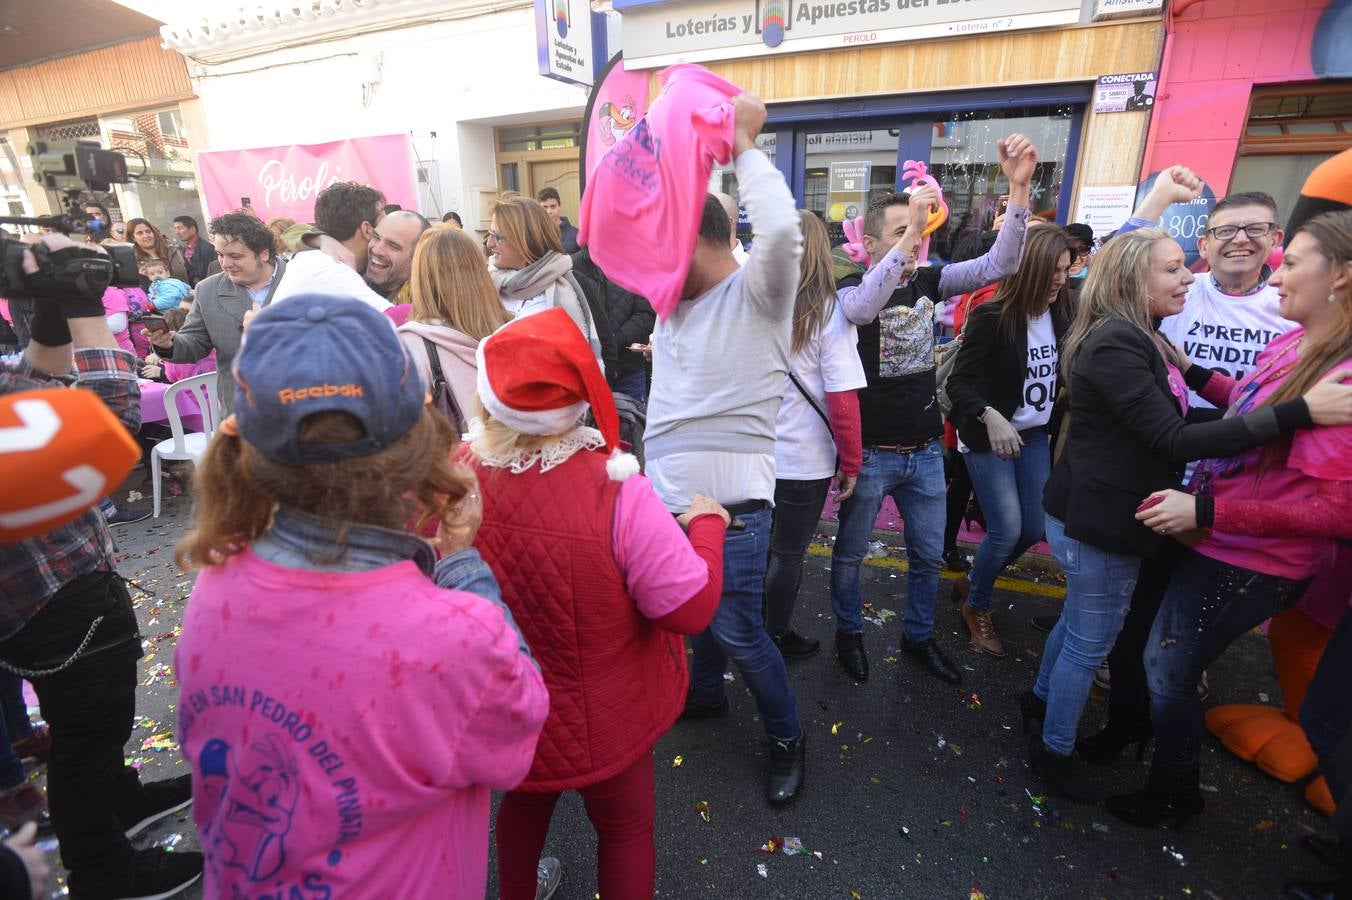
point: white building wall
(445, 82)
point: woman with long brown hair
(532, 273)
(1273, 514)
(314, 607)
(1126, 439)
(148, 242)
(1003, 385)
(817, 432)
(455, 306)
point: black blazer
(1128, 438)
(990, 371)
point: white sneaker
(548, 876)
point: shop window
(554, 136)
(723, 179)
(965, 160)
(846, 171)
(1291, 129)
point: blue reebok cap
(310, 354)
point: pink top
(345, 729)
(652, 552)
(640, 215)
(178, 371)
(1178, 386)
(1316, 453)
(115, 304)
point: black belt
(747, 507)
(899, 448)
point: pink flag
(284, 181)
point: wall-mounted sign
(1122, 9)
(1105, 208)
(1125, 93)
(659, 34)
(1185, 222)
(848, 185)
(563, 39)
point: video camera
(69, 167)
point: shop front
(858, 90)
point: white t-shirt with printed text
(1039, 383)
(1225, 332)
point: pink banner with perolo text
(284, 181)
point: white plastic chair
(186, 445)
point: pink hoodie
(641, 211)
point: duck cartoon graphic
(614, 121)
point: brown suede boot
(982, 631)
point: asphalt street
(914, 788)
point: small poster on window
(849, 190)
(1125, 93)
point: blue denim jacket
(296, 539)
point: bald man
(730, 207)
(389, 256)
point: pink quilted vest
(616, 680)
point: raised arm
(770, 275)
(1176, 184)
(1018, 160)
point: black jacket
(991, 370)
(199, 266)
(568, 235)
(1127, 438)
(631, 317)
(593, 296)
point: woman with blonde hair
(817, 432)
(532, 273)
(455, 306)
(1272, 514)
(603, 583)
(1127, 438)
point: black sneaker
(956, 560)
(793, 645)
(160, 799)
(125, 515)
(156, 874)
(788, 764)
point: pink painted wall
(1214, 55)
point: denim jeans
(738, 633)
(915, 480)
(14, 725)
(92, 793)
(1208, 605)
(635, 384)
(798, 509)
(1326, 716)
(1010, 493)
(1098, 590)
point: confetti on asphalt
(974, 701)
(1265, 825)
(762, 871)
(160, 742)
(977, 894)
(835, 729)
(702, 808)
(1177, 855)
(855, 895)
(676, 763)
(771, 846)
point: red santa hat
(538, 376)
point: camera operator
(67, 624)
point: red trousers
(620, 809)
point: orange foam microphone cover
(61, 452)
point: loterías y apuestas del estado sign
(662, 33)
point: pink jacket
(640, 215)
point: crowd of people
(484, 478)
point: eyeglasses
(1253, 230)
(496, 237)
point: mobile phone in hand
(1004, 205)
(1150, 502)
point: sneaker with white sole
(548, 876)
(161, 799)
(126, 515)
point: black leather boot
(1102, 749)
(933, 658)
(1166, 795)
(1061, 773)
(793, 645)
(850, 654)
(788, 764)
(1033, 709)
